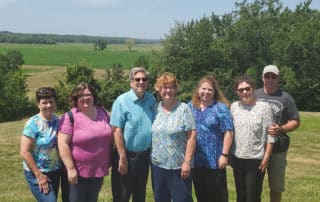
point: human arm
(227, 142)
(118, 139)
(190, 148)
(66, 156)
(276, 129)
(265, 160)
(27, 144)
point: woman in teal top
(173, 144)
(39, 148)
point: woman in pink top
(85, 142)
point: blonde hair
(166, 78)
(218, 95)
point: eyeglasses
(82, 96)
(140, 79)
(248, 89)
(270, 76)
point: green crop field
(302, 181)
(64, 53)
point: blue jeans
(87, 189)
(51, 196)
(168, 185)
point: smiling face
(168, 92)
(245, 92)
(46, 107)
(206, 92)
(85, 100)
(139, 83)
(270, 81)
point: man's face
(270, 80)
(139, 83)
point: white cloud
(95, 2)
(6, 2)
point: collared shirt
(211, 123)
(134, 117)
(169, 136)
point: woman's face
(245, 92)
(206, 92)
(85, 100)
(47, 106)
(168, 92)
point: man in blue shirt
(131, 119)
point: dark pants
(210, 184)
(134, 182)
(87, 189)
(64, 186)
(248, 179)
(169, 186)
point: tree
(14, 103)
(15, 59)
(100, 44)
(76, 73)
(130, 43)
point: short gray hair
(135, 70)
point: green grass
(302, 176)
(64, 53)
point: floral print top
(211, 123)
(44, 133)
(169, 135)
(250, 124)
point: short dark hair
(46, 93)
(78, 90)
(243, 78)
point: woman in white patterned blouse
(252, 146)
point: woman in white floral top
(173, 144)
(252, 146)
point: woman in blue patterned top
(173, 144)
(214, 138)
(39, 148)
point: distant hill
(10, 37)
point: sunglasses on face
(241, 90)
(270, 77)
(140, 79)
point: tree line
(21, 38)
(242, 42)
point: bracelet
(225, 155)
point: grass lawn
(302, 180)
(64, 53)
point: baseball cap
(270, 68)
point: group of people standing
(184, 143)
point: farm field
(64, 53)
(302, 181)
(303, 171)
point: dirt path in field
(40, 75)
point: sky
(143, 19)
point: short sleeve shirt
(134, 117)
(169, 136)
(250, 124)
(211, 123)
(44, 133)
(91, 142)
